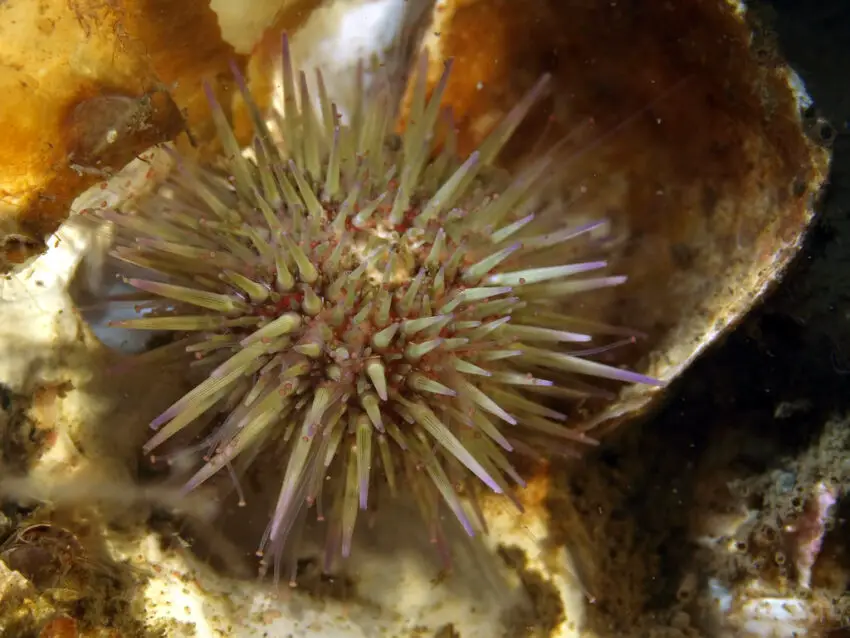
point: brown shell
(689, 140)
(87, 85)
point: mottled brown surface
(182, 42)
(689, 140)
(71, 71)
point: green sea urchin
(370, 304)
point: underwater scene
(424, 319)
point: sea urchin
(375, 308)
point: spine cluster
(374, 309)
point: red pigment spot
(289, 300)
(60, 628)
(284, 303)
(51, 438)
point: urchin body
(379, 309)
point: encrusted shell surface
(683, 128)
(87, 85)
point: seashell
(683, 128)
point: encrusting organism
(381, 312)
